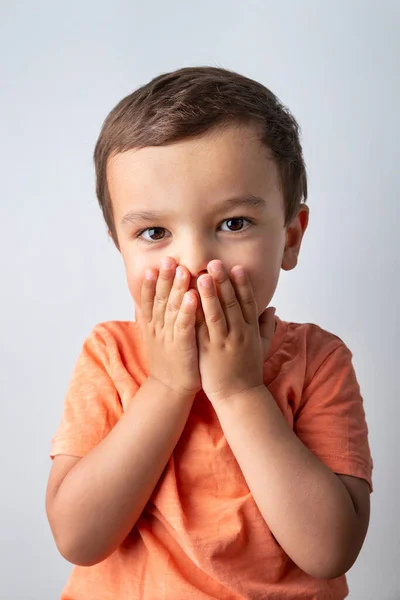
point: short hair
(190, 102)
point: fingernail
(206, 281)
(180, 272)
(215, 268)
(166, 263)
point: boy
(209, 449)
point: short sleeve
(92, 405)
(331, 420)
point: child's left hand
(232, 341)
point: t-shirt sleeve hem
(78, 446)
(348, 466)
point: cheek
(264, 284)
(264, 274)
(134, 289)
(135, 269)
(134, 278)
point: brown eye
(157, 234)
(150, 230)
(238, 222)
(157, 229)
(235, 224)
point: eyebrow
(247, 201)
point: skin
(318, 517)
(189, 179)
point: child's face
(187, 182)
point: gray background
(64, 65)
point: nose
(195, 270)
(195, 257)
(193, 280)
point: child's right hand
(166, 320)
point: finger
(201, 328)
(163, 288)
(177, 293)
(213, 312)
(267, 321)
(138, 314)
(245, 294)
(267, 326)
(147, 296)
(227, 294)
(200, 316)
(185, 320)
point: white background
(63, 66)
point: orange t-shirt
(211, 541)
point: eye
(150, 229)
(236, 220)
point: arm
(94, 505)
(319, 518)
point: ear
(294, 236)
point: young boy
(208, 450)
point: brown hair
(190, 102)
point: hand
(166, 320)
(232, 342)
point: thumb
(266, 322)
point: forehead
(201, 170)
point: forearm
(103, 495)
(306, 506)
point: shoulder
(115, 334)
(312, 345)
(114, 330)
(119, 343)
(313, 335)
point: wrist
(176, 394)
(243, 395)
